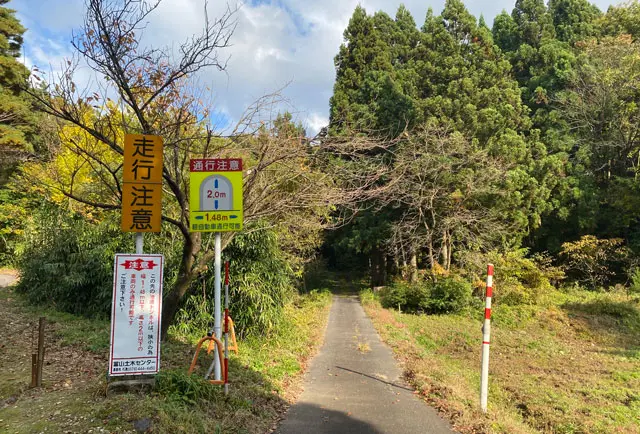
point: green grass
(264, 377)
(569, 365)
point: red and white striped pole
(486, 341)
(226, 328)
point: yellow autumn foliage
(82, 166)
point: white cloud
(316, 121)
(276, 42)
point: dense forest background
(518, 143)
(450, 145)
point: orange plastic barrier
(234, 343)
(212, 339)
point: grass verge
(570, 366)
(264, 377)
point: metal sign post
(217, 268)
(226, 328)
(216, 300)
(140, 243)
(215, 201)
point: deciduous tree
(155, 92)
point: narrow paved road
(354, 387)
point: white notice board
(135, 315)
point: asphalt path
(354, 385)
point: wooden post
(40, 362)
(34, 370)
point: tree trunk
(378, 268)
(449, 252)
(413, 263)
(445, 250)
(392, 265)
(171, 302)
(430, 251)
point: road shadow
(399, 386)
(312, 419)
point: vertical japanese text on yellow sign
(142, 189)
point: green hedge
(434, 296)
(67, 262)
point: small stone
(142, 425)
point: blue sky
(277, 43)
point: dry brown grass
(570, 367)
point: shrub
(67, 261)
(196, 316)
(523, 280)
(261, 283)
(444, 295)
(593, 261)
(634, 287)
(448, 295)
(394, 296)
(408, 297)
(419, 297)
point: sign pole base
(138, 384)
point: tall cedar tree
(622, 19)
(601, 106)
(363, 51)
(543, 66)
(450, 73)
(468, 87)
(17, 123)
(18, 133)
(368, 96)
(574, 20)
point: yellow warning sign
(142, 184)
(215, 195)
(142, 158)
